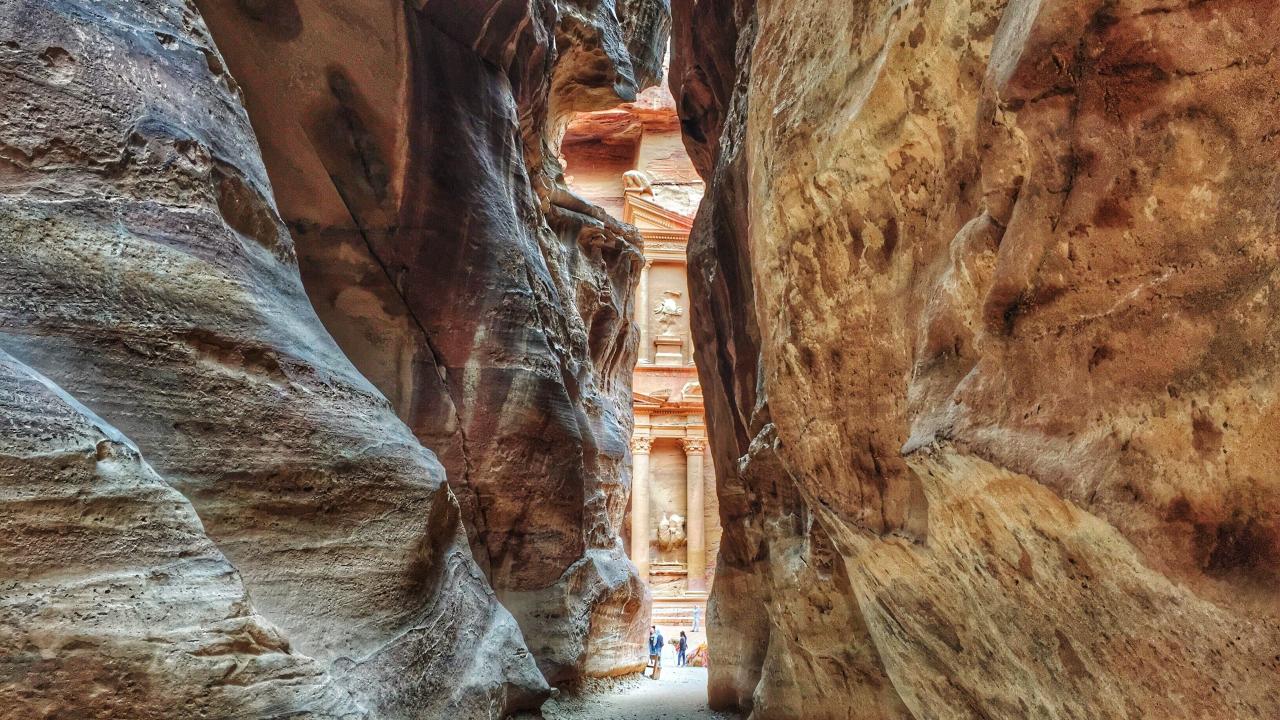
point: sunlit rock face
(413, 151)
(146, 272)
(1002, 399)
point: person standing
(697, 616)
(681, 649)
(655, 649)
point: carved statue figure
(671, 532)
(637, 181)
(667, 311)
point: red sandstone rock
(440, 247)
(999, 395)
(144, 265)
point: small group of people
(656, 642)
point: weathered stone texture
(442, 249)
(107, 579)
(1009, 355)
(143, 264)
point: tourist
(697, 616)
(655, 649)
(681, 649)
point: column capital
(640, 445)
(694, 445)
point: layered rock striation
(414, 155)
(161, 264)
(110, 580)
(147, 269)
(985, 300)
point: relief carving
(694, 445)
(668, 312)
(637, 181)
(671, 532)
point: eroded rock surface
(109, 579)
(413, 152)
(1001, 399)
(144, 266)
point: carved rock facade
(995, 430)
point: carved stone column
(695, 532)
(640, 504)
(642, 314)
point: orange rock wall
(985, 305)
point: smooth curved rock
(145, 266)
(1010, 346)
(414, 154)
(109, 581)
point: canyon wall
(987, 312)
(145, 268)
(109, 579)
(229, 516)
(413, 152)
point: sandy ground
(681, 694)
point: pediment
(647, 215)
(642, 399)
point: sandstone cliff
(147, 269)
(108, 575)
(413, 153)
(986, 307)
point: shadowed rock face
(413, 152)
(108, 575)
(144, 265)
(1000, 399)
